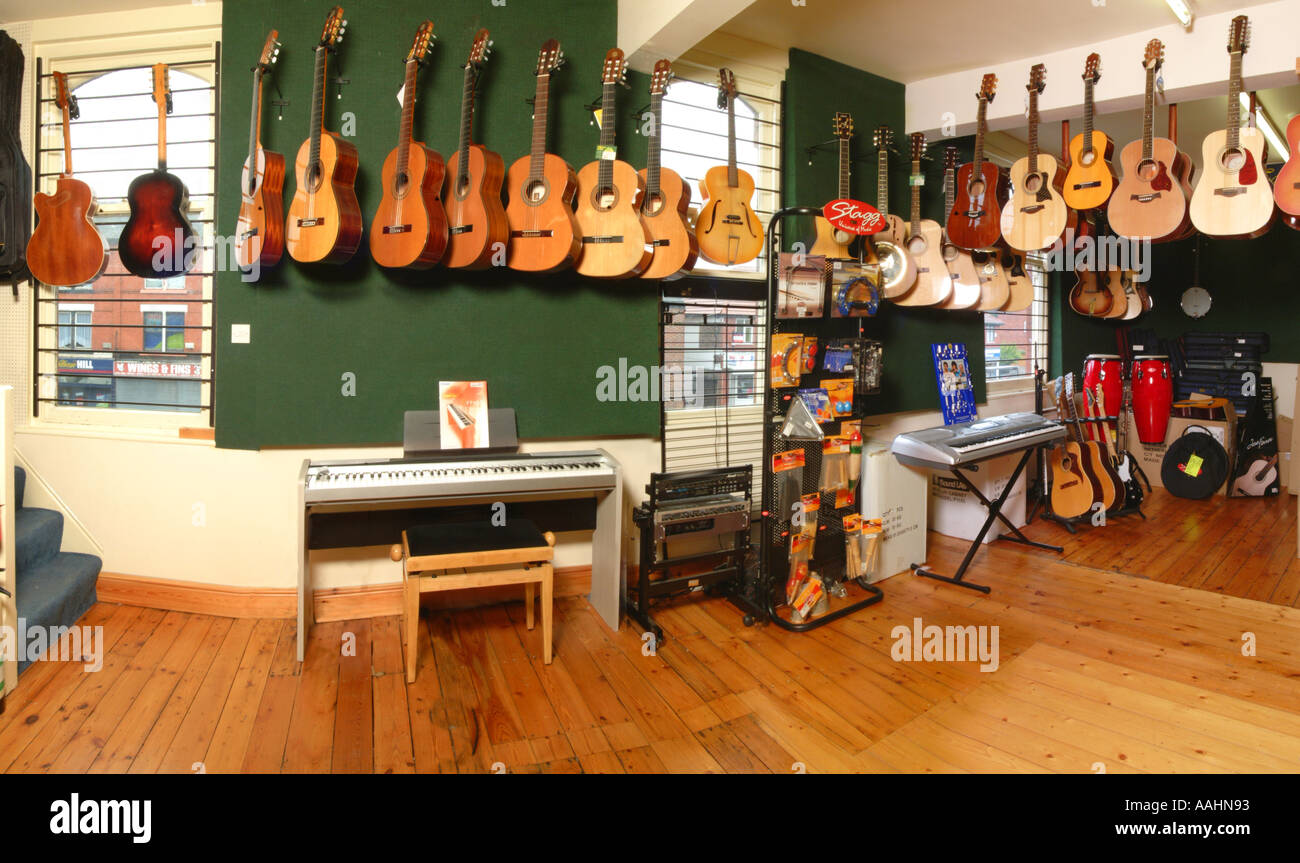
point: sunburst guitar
(727, 228)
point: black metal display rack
(760, 589)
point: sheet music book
(952, 373)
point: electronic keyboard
(964, 443)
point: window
(74, 325)
(164, 329)
(1016, 342)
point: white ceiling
(907, 40)
(28, 10)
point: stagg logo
(75, 816)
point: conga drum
(1153, 396)
(1107, 370)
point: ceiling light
(1277, 146)
(1182, 11)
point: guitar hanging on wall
(409, 229)
(324, 223)
(1037, 212)
(66, 248)
(887, 248)
(727, 229)
(1091, 178)
(975, 221)
(259, 231)
(965, 281)
(829, 240)
(157, 241)
(667, 196)
(924, 244)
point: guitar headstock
(420, 45)
(843, 125)
(63, 98)
(615, 67)
(270, 51)
(549, 58)
(883, 138)
(726, 87)
(663, 73)
(1037, 79)
(1154, 55)
(950, 158)
(988, 88)
(1092, 69)
(479, 51)
(1239, 35)
(162, 91)
(335, 26)
(918, 145)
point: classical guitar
(1107, 450)
(541, 186)
(995, 288)
(965, 281)
(667, 196)
(1091, 178)
(1038, 212)
(157, 241)
(615, 241)
(1261, 474)
(66, 248)
(975, 220)
(1286, 188)
(924, 244)
(887, 249)
(1020, 288)
(727, 229)
(1149, 202)
(409, 229)
(259, 231)
(1103, 490)
(324, 222)
(831, 241)
(471, 195)
(1233, 197)
(1071, 494)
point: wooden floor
(1099, 669)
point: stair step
(20, 484)
(39, 535)
(57, 591)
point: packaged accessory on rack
(852, 547)
(811, 595)
(852, 429)
(788, 467)
(835, 465)
(812, 503)
(855, 291)
(869, 546)
(787, 359)
(801, 286)
(800, 424)
(838, 356)
(868, 366)
(809, 354)
(796, 581)
(818, 402)
(840, 392)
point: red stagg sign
(854, 217)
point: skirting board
(334, 603)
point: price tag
(606, 153)
(916, 180)
(1193, 466)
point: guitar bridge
(1231, 191)
(732, 219)
(460, 229)
(603, 239)
(311, 223)
(1145, 197)
(528, 235)
(252, 232)
(1032, 208)
(397, 229)
(974, 214)
(1094, 184)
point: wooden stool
(476, 554)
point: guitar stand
(995, 513)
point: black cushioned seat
(460, 538)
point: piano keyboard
(964, 443)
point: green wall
(538, 341)
(816, 88)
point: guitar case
(1256, 472)
(1195, 465)
(15, 173)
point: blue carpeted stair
(55, 588)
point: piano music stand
(995, 513)
(422, 436)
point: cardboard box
(896, 495)
(1151, 456)
(955, 511)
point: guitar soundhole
(1033, 183)
(462, 186)
(315, 173)
(1148, 170)
(976, 189)
(604, 197)
(654, 205)
(1088, 157)
(536, 191)
(950, 253)
(917, 246)
(1232, 159)
(843, 237)
(401, 185)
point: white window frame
(162, 308)
(74, 308)
(1041, 319)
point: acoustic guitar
(410, 228)
(995, 289)
(615, 241)
(1038, 211)
(667, 196)
(924, 244)
(324, 223)
(157, 241)
(1091, 178)
(727, 228)
(887, 249)
(1109, 461)
(1072, 493)
(66, 248)
(1149, 203)
(1286, 188)
(965, 281)
(471, 195)
(829, 240)
(1233, 197)
(1020, 288)
(1103, 490)
(259, 230)
(543, 229)
(975, 220)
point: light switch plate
(241, 334)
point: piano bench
(449, 556)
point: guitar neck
(408, 118)
(466, 119)
(608, 121)
(1087, 115)
(652, 179)
(844, 168)
(1033, 131)
(1148, 115)
(318, 103)
(916, 198)
(949, 192)
(882, 182)
(733, 178)
(67, 142)
(255, 129)
(537, 152)
(1234, 102)
(162, 135)
(981, 128)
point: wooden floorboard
(1165, 645)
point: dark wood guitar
(615, 241)
(1072, 492)
(259, 231)
(157, 241)
(1286, 188)
(829, 240)
(727, 229)
(1090, 460)
(1109, 461)
(409, 230)
(543, 228)
(1091, 178)
(975, 221)
(667, 195)
(66, 248)
(472, 194)
(324, 223)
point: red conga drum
(1104, 369)
(1153, 396)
